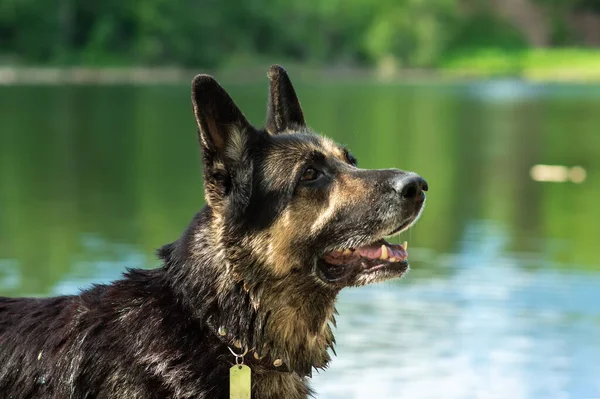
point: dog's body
(290, 220)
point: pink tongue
(373, 251)
(369, 251)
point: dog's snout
(410, 187)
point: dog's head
(286, 201)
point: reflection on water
(558, 173)
(493, 328)
(504, 297)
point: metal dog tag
(240, 382)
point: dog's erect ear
(216, 114)
(283, 111)
(224, 133)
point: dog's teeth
(384, 252)
(347, 251)
(405, 245)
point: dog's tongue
(376, 250)
(372, 251)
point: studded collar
(250, 357)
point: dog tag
(240, 382)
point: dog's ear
(224, 133)
(283, 110)
(216, 114)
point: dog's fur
(246, 275)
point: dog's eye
(310, 174)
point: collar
(249, 356)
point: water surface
(504, 297)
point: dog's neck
(283, 322)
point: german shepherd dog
(290, 220)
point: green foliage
(414, 31)
(211, 33)
(485, 30)
(570, 64)
(592, 5)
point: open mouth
(378, 256)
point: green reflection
(122, 165)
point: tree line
(414, 33)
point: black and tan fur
(247, 274)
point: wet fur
(248, 263)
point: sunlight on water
(492, 329)
(503, 300)
(558, 173)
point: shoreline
(13, 76)
(140, 75)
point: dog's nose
(411, 187)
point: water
(504, 297)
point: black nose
(413, 187)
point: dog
(289, 221)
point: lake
(503, 300)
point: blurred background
(496, 103)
